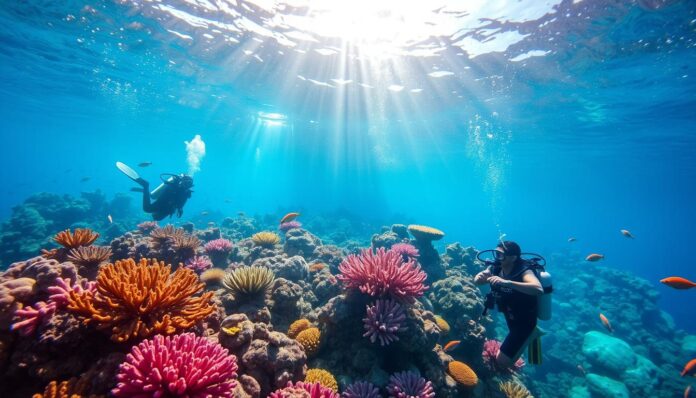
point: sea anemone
(199, 263)
(383, 273)
(265, 239)
(249, 281)
(406, 250)
(219, 250)
(409, 385)
(514, 389)
(309, 339)
(384, 320)
(304, 390)
(462, 373)
(177, 366)
(322, 377)
(138, 300)
(286, 226)
(361, 389)
(489, 354)
(298, 326)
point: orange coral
(69, 240)
(138, 300)
(298, 326)
(309, 339)
(316, 267)
(462, 373)
(66, 389)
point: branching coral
(304, 390)
(383, 273)
(514, 389)
(361, 389)
(406, 250)
(199, 263)
(265, 239)
(249, 281)
(135, 300)
(409, 385)
(384, 320)
(177, 366)
(309, 339)
(322, 377)
(31, 318)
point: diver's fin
(132, 174)
(534, 351)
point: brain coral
(135, 300)
(322, 377)
(462, 373)
(265, 239)
(177, 366)
(309, 339)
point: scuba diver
(521, 289)
(169, 197)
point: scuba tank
(157, 192)
(544, 301)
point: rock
(608, 353)
(688, 346)
(642, 379)
(579, 392)
(604, 387)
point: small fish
(451, 345)
(204, 213)
(689, 368)
(111, 219)
(571, 239)
(84, 179)
(144, 164)
(687, 391)
(627, 234)
(582, 370)
(678, 282)
(606, 323)
(594, 257)
(289, 217)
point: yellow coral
(462, 373)
(442, 324)
(309, 339)
(138, 300)
(265, 239)
(322, 376)
(72, 388)
(298, 326)
(231, 331)
(421, 232)
(515, 389)
(249, 281)
(213, 275)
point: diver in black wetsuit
(514, 287)
(169, 197)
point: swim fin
(132, 174)
(534, 351)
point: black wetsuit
(520, 311)
(170, 201)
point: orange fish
(289, 217)
(678, 282)
(627, 234)
(606, 323)
(689, 368)
(687, 391)
(451, 345)
(594, 257)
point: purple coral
(31, 317)
(219, 250)
(199, 263)
(383, 273)
(406, 250)
(60, 292)
(384, 320)
(177, 366)
(300, 389)
(489, 354)
(409, 385)
(286, 226)
(361, 389)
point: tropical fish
(571, 239)
(678, 282)
(451, 345)
(687, 391)
(627, 234)
(689, 368)
(582, 370)
(144, 164)
(594, 257)
(84, 179)
(606, 323)
(111, 219)
(204, 213)
(289, 217)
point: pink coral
(300, 389)
(384, 319)
(361, 389)
(177, 366)
(406, 250)
(490, 352)
(32, 317)
(199, 263)
(60, 292)
(409, 385)
(286, 226)
(218, 246)
(383, 273)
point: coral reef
(219, 250)
(306, 390)
(199, 264)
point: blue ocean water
(540, 120)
